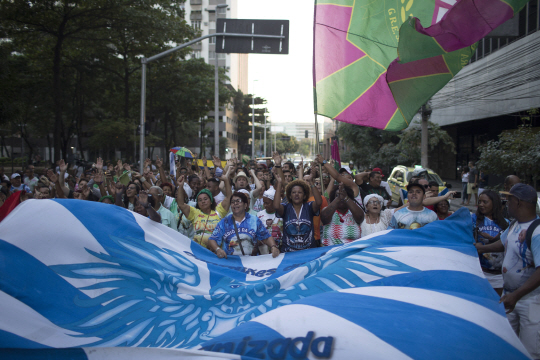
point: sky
(285, 81)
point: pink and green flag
(358, 76)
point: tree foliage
(515, 152)
(242, 107)
(73, 68)
(372, 147)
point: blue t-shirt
(251, 230)
(519, 261)
(410, 219)
(298, 232)
(490, 261)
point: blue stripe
(44, 354)
(30, 281)
(219, 268)
(9, 340)
(419, 332)
(104, 221)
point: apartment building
(202, 15)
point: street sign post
(247, 38)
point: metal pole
(424, 139)
(216, 107)
(264, 135)
(253, 122)
(143, 113)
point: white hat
(240, 174)
(270, 193)
(14, 175)
(370, 196)
(244, 191)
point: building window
(197, 54)
(212, 25)
(212, 55)
(196, 24)
(221, 10)
(212, 40)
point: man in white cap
(16, 183)
(273, 224)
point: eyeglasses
(237, 201)
(317, 183)
(132, 188)
(373, 202)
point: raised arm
(143, 200)
(277, 197)
(356, 211)
(61, 179)
(316, 194)
(361, 178)
(181, 195)
(328, 212)
(217, 162)
(228, 190)
(163, 176)
(437, 199)
(277, 166)
(58, 187)
(206, 170)
(300, 171)
(98, 179)
(336, 175)
(258, 185)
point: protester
(297, 214)
(213, 186)
(240, 233)
(520, 267)
(273, 224)
(167, 217)
(472, 185)
(509, 182)
(17, 185)
(375, 219)
(464, 182)
(30, 179)
(442, 209)
(415, 215)
(206, 214)
(341, 219)
(374, 186)
(384, 184)
(488, 224)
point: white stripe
(261, 262)
(441, 13)
(56, 237)
(449, 304)
(450, 2)
(432, 258)
(296, 320)
(20, 319)
(125, 353)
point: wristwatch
(324, 162)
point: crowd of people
(274, 207)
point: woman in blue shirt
(297, 214)
(239, 233)
(488, 224)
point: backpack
(530, 231)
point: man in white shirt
(167, 217)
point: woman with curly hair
(489, 223)
(297, 214)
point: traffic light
(307, 134)
(146, 130)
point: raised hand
(217, 161)
(53, 177)
(342, 192)
(301, 164)
(127, 167)
(180, 181)
(62, 165)
(204, 161)
(118, 167)
(159, 162)
(225, 176)
(147, 162)
(98, 178)
(99, 164)
(277, 158)
(111, 187)
(143, 198)
(318, 159)
(230, 162)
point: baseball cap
(15, 175)
(378, 170)
(523, 192)
(343, 170)
(410, 185)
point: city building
(203, 15)
(492, 93)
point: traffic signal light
(307, 134)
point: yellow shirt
(204, 224)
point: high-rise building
(203, 15)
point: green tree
(286, 144)
(304, 147)
(242, 107)
(515, 152)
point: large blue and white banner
(85, 280)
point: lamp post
(253, 122)
(216, 91)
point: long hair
(126, 200)
(496, 210)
